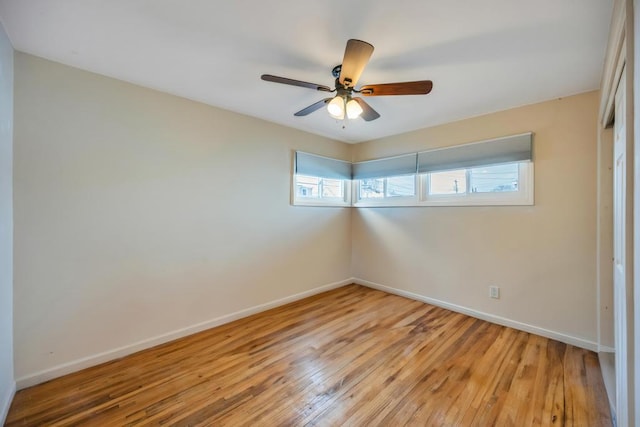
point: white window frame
(384, 201)
(321, 201)
(522, 197)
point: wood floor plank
(351, 356)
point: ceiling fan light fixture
(342, 105)
(353, 109)
(336, 108)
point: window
(313, 187)
(395, 186)
(486, 173)
(448, 182)
(487, 179)
(388, 182)
(503, 184)
(321, 181)
(493, 172)
(393, 191)
(494, 179)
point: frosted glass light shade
(353, 109)
(335, 107)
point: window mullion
(427, 186)
(467, 177)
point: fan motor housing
(343, 91)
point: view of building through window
(316, 188)
(493, 179)
(486, 179)
(395, 186)
(448, 182)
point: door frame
(620, 54)
(621, 222)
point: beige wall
(7, 383)
(138, 213)
(543, 256)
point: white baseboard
(606, 349)
(558, 336)
(96, 359)
(6, 402)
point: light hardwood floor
(352, 356)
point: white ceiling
(482, 55)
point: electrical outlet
(494, 292)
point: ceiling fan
(356, 57)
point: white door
(619, 252)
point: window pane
(449, 182)
(332, 188)
(494, 179)
(398, 186)
(371, 188)
(307, 186)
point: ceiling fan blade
(421, 87)
(356, 57)
(368, 113)
(313, 107)
(286, 81)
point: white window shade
(514, 148)
(390, 166)
(323, 167)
